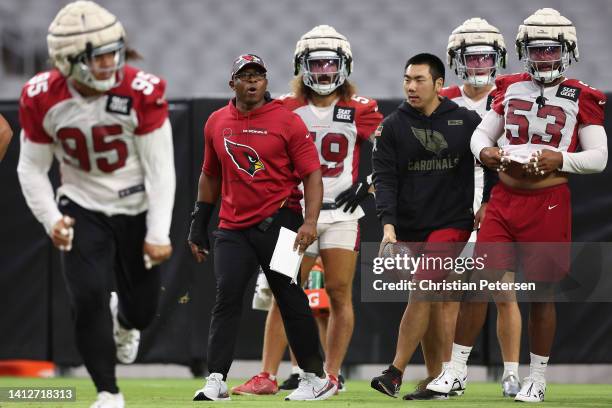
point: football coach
(256, 153)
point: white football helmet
(476, 50)
(324, 58)
(546, 42)
(81, 31)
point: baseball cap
(247, 59)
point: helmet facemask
(91, 67)
(545, 60)
(323, 71)
(476, 50)
(477, 65)
(546, 42)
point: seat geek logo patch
(119, 104)
(568, 92)
(344, 114)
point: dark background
(35, 320)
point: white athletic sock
(460, 355)
(537, 367)
(272, 377)
(510, 368)
(445, 364)
(296, 370)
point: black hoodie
(424, 170)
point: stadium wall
(36, 320)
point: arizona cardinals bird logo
(245, 157)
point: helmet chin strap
(541, 100)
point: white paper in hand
(284, 259)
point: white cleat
(126, 340)
(214, 390)
(108, 400)
(449, 380)
(532, 390)
(312, 388)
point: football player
(537, 120)
(106, 122)
(339, 122)
(476, 51)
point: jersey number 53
(518, 114)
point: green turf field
(177, 393)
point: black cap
(247, 59)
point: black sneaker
(290, 383)
(341, 383)
(425, 395)
(389, 382)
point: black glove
(353, 196)
(198, 231)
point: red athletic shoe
(261, 384)
(334, 380)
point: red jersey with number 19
(93, 137)
(567, 106)
(261, 157)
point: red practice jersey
(93, 138)
(338, 131)
(567, 106)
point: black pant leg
(300, 326)
(235, 264)
(88, 272)
(137, 287)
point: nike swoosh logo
(329, 386)
(602, 102)
(550, 207)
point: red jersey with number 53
(93, 137)
(338, 131)
(568, 106)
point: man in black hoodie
(424, 179)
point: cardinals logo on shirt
(244, 157)
(432, 141)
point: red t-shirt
(261, 157)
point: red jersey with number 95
(568, 106)
(338, 131)
(93, 137)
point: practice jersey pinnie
(567, 106)
(481, 106)
(338, 132)
(93, 138)
(457, 95)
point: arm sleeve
(302, 150)
(487, 133)
(156, 153)
(594, 155)
(211, 166)
(35, 160)
(385, 174)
